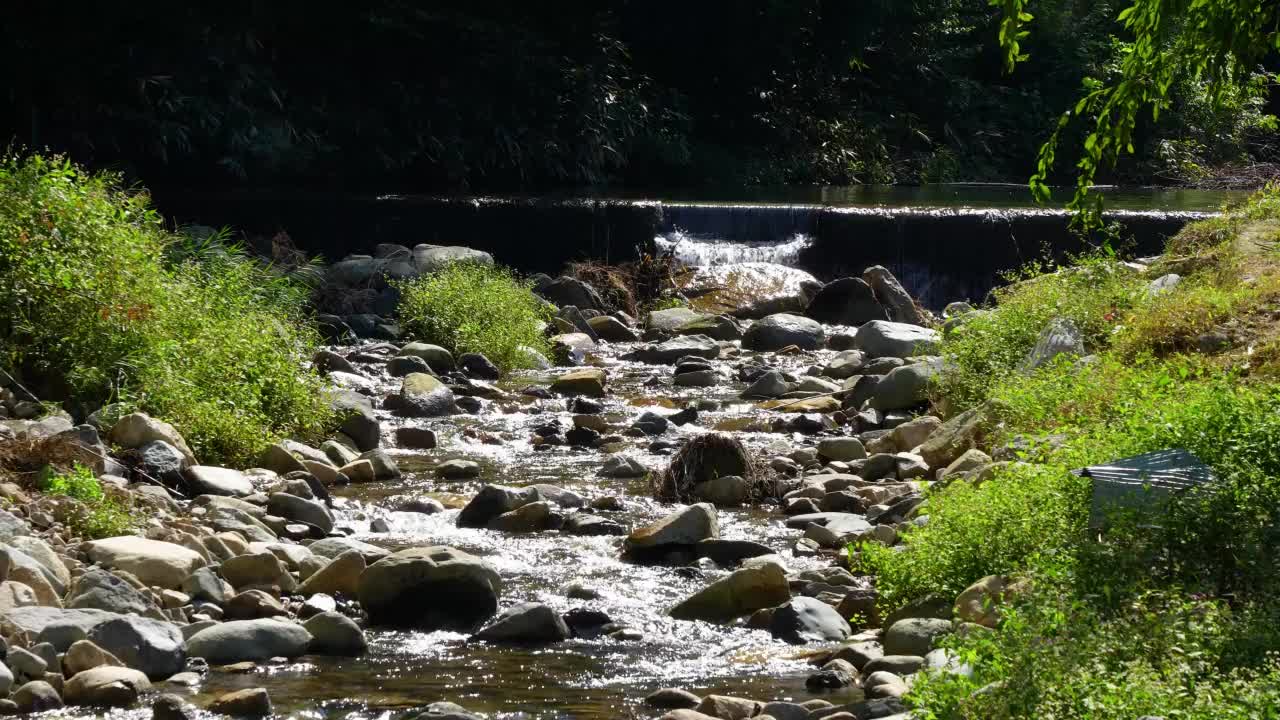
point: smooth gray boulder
(335, 546)
(249, 640)
(845, 364)
(204, 584)
(423, 395)
(565, 290)
(433, 258)
(842, 448)
(895, 298)
(333, 633)
(57, 626)
(6, 680)
(154, 647)
(782, 330)
(357, 419)
(103, 590)
(905, 386)
(154, 562)
(209, 480)
(302, 509)
(46, 556)
(770, 384)
(37, 696)
(136, 430)
(495, 500)
(685, 526)
(880, 338)
(18, 565)
(159, 461)
(430, 588)
(105, 686)
(525, 623)
(739, 593)
(847, 301)
(12, 526)
(1163, 284)
(668, 352)
(258, 570)
(437, 358)
(611, 329)
(672, 319)
(1059, 337)
(807, 619)
(914, 636)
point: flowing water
(603, 678)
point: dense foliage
(1172, 615)
(102, 304)
(1170, 47)
(470, 307)
(501, 95)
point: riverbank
(788, 500)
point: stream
(602, 678)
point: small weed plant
(95, 515)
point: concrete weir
(939, 253)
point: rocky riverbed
(498, 544)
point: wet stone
(672, 699)
(458, 469)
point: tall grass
(103, 304)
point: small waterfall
(706, 252)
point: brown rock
(250, 702)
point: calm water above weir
(948, 195)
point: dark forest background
(494, 95)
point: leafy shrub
(1097, 413)
(667, 303)
(975, 531)
(104, 304)
(991, 344)
(470, 307)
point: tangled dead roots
(615, 283)
(708, 457)
(22, 460)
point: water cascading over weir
(940, 253)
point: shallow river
(583, 679)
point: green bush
(107, 518)
(104, 304)
(470, 307)
(990, 344)
(1096, 413)
(979, 530)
